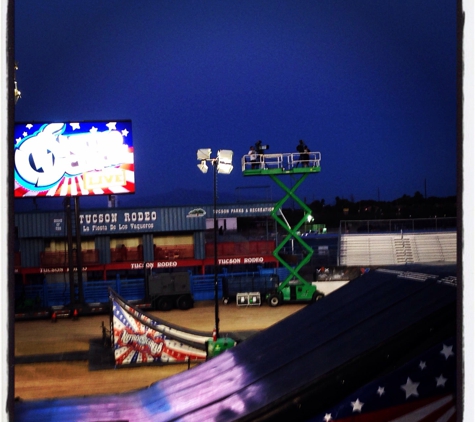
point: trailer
(236, 286)
(170, 290)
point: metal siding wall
(148, 247)
(33, 228)
(168, 219)
(164, 219)
(199, 244)
(176, 219)
(30, 252)
(40, 224)
(102, 243)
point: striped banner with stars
(422, 390)
(136, 342)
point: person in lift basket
(260, 151)
(260, 148)
(253, 157)
(304, 154)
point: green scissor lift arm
(274, 166)
(292, 232)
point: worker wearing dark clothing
(259, 149)
(303, 157)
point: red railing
(173, 252)
(123, 254)
(258, 247)
(61, 259)
(169, 252)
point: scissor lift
(294, 288)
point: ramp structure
(391, 329)
(139, 338)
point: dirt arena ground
(73, 378)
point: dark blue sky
(369, 84)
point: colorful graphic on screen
(74, 159)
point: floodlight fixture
(310, 218)
(225, 156)
(223, 163)
(225, 160)
(203, 167)
(203, 154)
(224, 168)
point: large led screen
(74, 159)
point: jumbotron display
(74, 159)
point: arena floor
(71, 377)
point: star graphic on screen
(327, 417)
(29, 126)
(380, 391)
(75, 126)
(125, 132)
(111, 125)
(440, 380)
(357, 405)
(93, 129)
(410, 388)
(422, 365)
(447, 351)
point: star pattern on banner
(440, 380)
(357, 405)
(447, 351)
(136, 341)
(410, 388)
(420, 388)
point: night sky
(369, 84)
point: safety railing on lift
(285, 161)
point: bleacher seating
(366, 250)
(377, 249)
(440, 247)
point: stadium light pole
(221, 164)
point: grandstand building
(57, 254)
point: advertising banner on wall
(73, 159)
(139, 338)
(135, 220)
